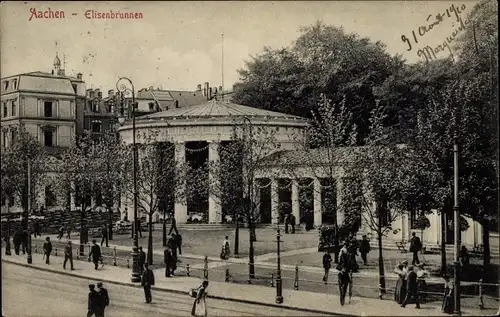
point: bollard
(187, 269)
(56, 251)
(205, 269)
(226, 278)
(380, 291)
(272, 280)
(114, 256)
(128, 263)
(296, 283)
(481, 304)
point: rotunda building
(201, 129)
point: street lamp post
(7, 246)
(456, 264)
(248, 200)
(29, 258)
(279, 285)
(122, 87)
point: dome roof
(57, 61)
(216, 108)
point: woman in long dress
(200, 305)
(448, 295)
(400, 291)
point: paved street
(29, 292)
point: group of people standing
(170, 257)
(411, 285)
(98, 300)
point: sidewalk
(261, 295)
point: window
(14, 84)
(47, 109)
(6, 85)
(14, 107)
(95, 126)
(13, 135)
(177, 103)
(4, 139)
(95, 106)
(151, 106)
(48, 138)
(5, 111)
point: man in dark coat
(173, 225)
(167, 259)
(47, 249)
(142, 259)
(104, 298)
(148, 280)
(95, 253)
(364, 248)
(411, 288)
(327, 264)
(344, 281)
(104, 232)
(93, 302)
(17, 240)
(415, 247)
(68, 255)
(292, 222)
(178, 243)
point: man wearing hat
(148, 280)
(47, 249)
(93, 302)
(104, 298)
(95, 253)
(68, 255)
(411, 288)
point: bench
(401, 246)
(477, 251)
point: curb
(136, 285)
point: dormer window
(14, 84)
(177, 103)
(95, 106)
(151, 106)
(6, 85)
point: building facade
(46, 104)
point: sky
(178, 45)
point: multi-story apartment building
(100, 112)
(46, 104)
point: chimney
(91, 93)
(111, 93)
(207, 90)
(198, 88)
(52, 72)
(220, 90)
(210, 93)
(79, 76)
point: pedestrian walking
(47, 250)
(61, 233)
(411, 288)
(344, 282)
(167, 259)
(68, 255)
(104, 232)
(104, 298)
(69, 233)
(364, 248)
(173, 225)
(148, 280)
(178, 243)
(17, 240)
(292, 222)
(415, 247)
(200, 304)
(287, 222)
(93, 302)
(400, 291)
(327, 264)
(224, 254)
(142, 259)
(95, 254)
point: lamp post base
(136, 274)
(30, 259)
(279, 290)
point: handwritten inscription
(429, 53)
(47, 14)
(423, 30)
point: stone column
(180, 206)
(274, 201)
(295, 200)
(317, 202)
(339, 183)
(214, 205)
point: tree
(80, 174)
(323, 60)
(25, 149)
(376, 184)
(159, 178)
(233, 175)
